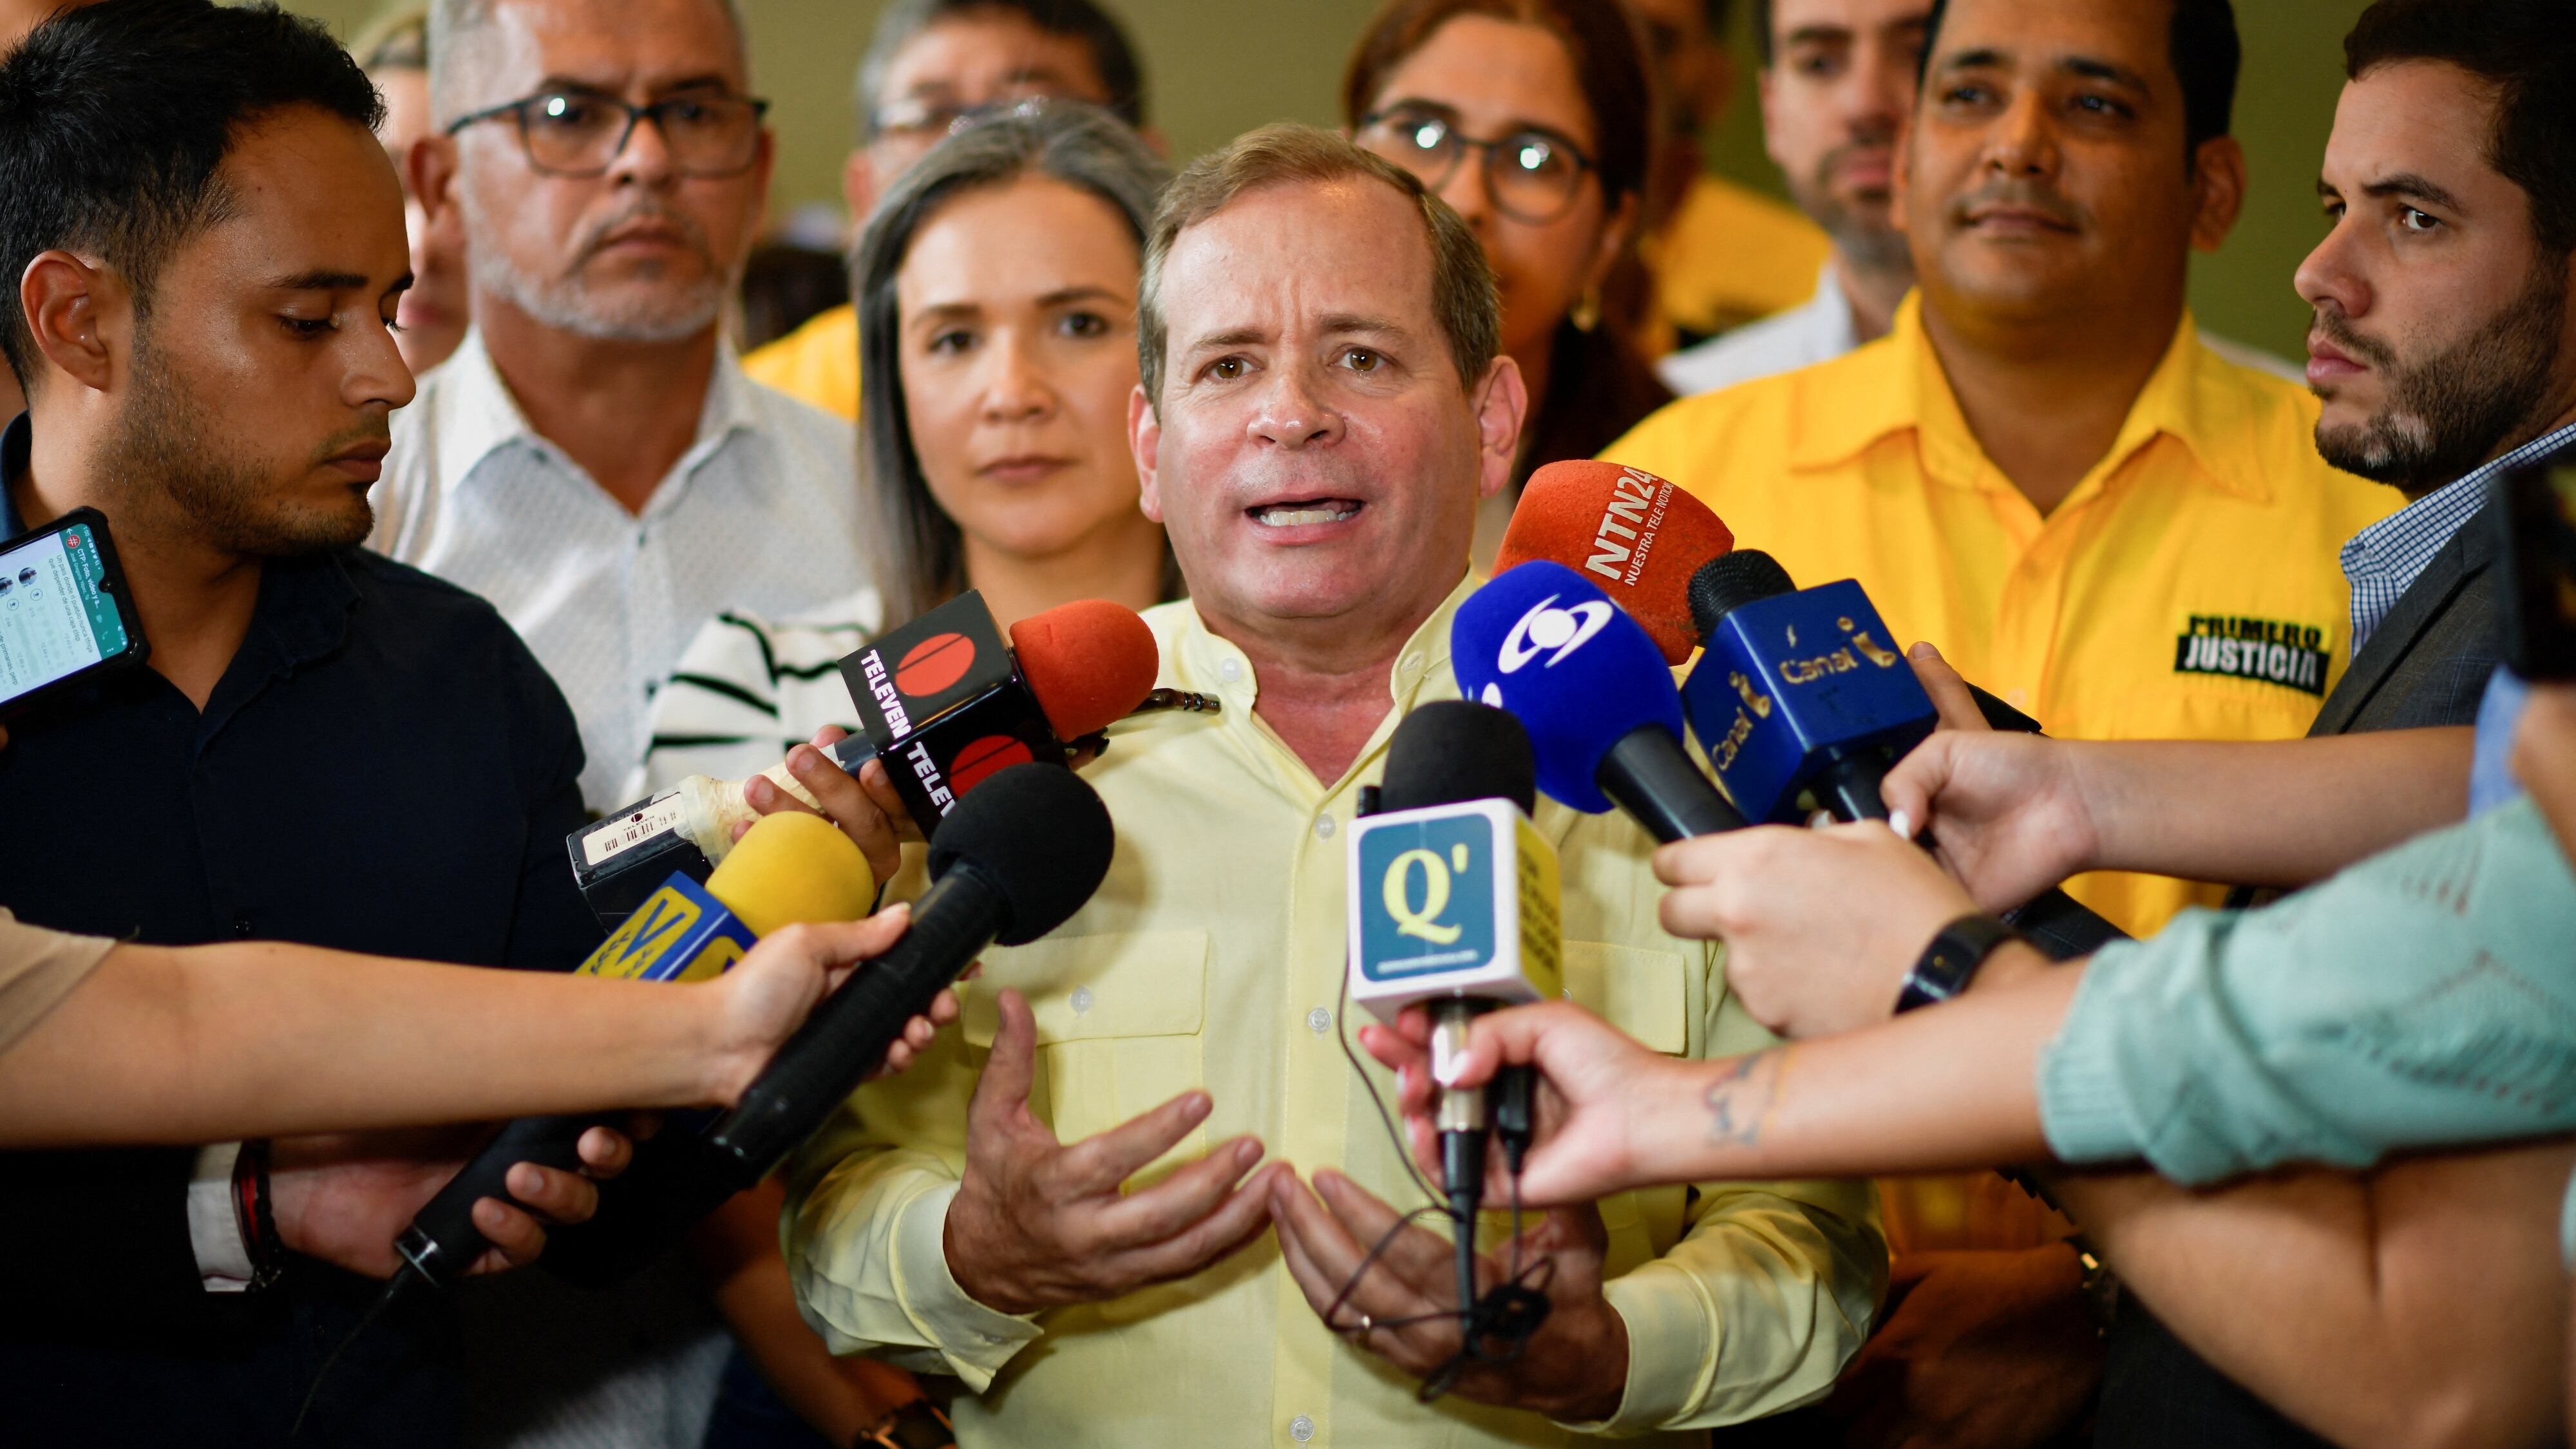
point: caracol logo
(1547, 627)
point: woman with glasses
(1535, 119)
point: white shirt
(761, 513)
(1819, 331)
(1823, 330)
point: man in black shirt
(327, 748)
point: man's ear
(82, 316)
(859, 187)
(1145, 441)
(2218, 191)
(1502, 404)
(429, 167)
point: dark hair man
(1322, 407)
(930, 64)
(2045, 471)
(206, 245)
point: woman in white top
(997, 302)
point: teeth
(1293, 517)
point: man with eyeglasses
(593, 459)
(932, 66)
(594, 462)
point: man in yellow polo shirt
(2042, 469)
(931, 63)
(2045, 471)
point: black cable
(403, 1278)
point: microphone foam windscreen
(792, 867)
(1580, 675)
(1039, 834)
(1635, 536)
(1455, 750)
(1090, 663)
(1728, 582)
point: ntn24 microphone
(1796, 684)
(1634, 536)
(1452, 900)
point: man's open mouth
(1305, 511)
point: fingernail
(759, 791)
(1902, 824)
(1247, 1153)
(1923, 650)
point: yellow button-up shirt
(817, 363)
(2187, 589)
(1729, 255)
(1213, 957)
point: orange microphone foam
(1090, 663)
(1636, 536)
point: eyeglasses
(1531, 175)
(913, 119)
(581, 133)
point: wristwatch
(1951, 961)
(917, 1425)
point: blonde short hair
(1463, 296)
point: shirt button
(1319, 1021)
(1082, 999)
(1413, 664)
(241, 927)
(1323, 827)
(1229, 671)
(1301, 1428)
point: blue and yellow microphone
(1453, 907)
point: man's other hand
(344, 1197)
(1037, 1224)
(1574, 1369)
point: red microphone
(1636, 536)
(1090, 663)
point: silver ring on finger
(1366, 1324)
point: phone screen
(54, 618)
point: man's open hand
(1037, 1224)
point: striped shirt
(748, 689)
(2384, 560)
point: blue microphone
(1799, 692)
(1592, 689)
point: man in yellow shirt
(2045, 471)
(931, 63)
(2042, 469)
(1723, 254)
(1322, 408)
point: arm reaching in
(207, 1043)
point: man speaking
(1063, 1210)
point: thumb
(1003, 1091)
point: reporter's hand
(1036, 1224)
(344, 1197)
(866, 808)
(2007, 811)
(1820, 925)
(770, 992)
(1598, 1091)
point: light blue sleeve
(2426, 996)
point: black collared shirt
(383, 767)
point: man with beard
(2044, 471)
(328, 748)
(592, 459)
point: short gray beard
(567, 304)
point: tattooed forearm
(1740, 1100)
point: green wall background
(1215, 69)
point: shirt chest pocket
(1119, 1020)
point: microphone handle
(1651, 776)
(442, 1241)
(2055, 922)
(847, 1036)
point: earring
(1586, 313)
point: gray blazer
(2427, 663)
